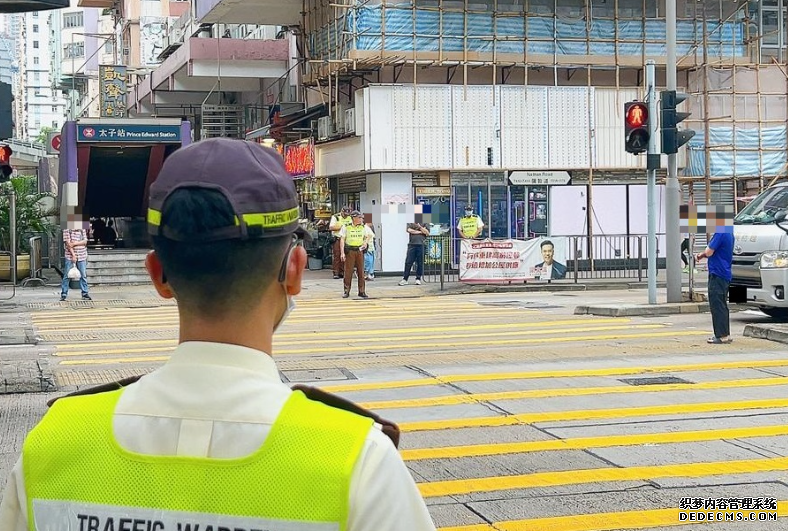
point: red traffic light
(637, 115)
(5, 155)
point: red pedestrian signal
(636, 127)
(5, 163)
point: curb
(769, 332)
(645, 310)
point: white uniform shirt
(219, 400)
(547, 272)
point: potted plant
(32, 218)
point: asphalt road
(516, 414)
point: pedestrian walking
(369, 255)
(354, 241)
(213, 439)
(417, 236)
(338, 220)
(75, 248)
(720, 254)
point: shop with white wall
(453, 145)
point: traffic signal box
(636, 127)
(672, 137)
(6, 114)
(5, 163)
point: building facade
(38, 105)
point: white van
(760, 253)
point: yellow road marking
(135, 322)
(364, 339)
(367, 338)
(373, 348)
(618, 371)
(583, 443)
(299, 312)
(601, 475)
(108, 361)
(596, 521)
(474, 398)
(592, 414)
(428, 329)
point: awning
(24, 6)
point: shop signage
(503, 260)
(112, 91)
(300, 158)
(126, 133)
(539, 178)
(433, 191)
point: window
(72, 20)
(35, 60)
(35, 28)
(54, 108)
(36, 77)
(109, 47)
(35, 14)
(35, 44)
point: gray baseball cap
(251, 177)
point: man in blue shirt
(720, 254)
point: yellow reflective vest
(354, 235)
(469, 226)
(78, 477)
(344, 220)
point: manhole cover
(317, 375)
(656, 380)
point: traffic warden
(470, 225)
(339, 220)
(214, 438)
(355, 240)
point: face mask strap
(283, 268)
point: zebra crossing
(515, 417)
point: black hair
(546, 242)
(214, 277)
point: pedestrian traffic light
(6, 113)
(672, 138)
(636, 127)
(5, 163)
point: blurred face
(547, 254)
(345, 211)
(468, 212)
(358, 220)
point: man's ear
(156, 272)
(296, 265)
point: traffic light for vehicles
(636, 127)
(672, 138)
(6, 113)
(5, 163)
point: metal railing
(617, 256)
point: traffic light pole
(672, 191)
(653, 159)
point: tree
(42, 134)
(31, 213)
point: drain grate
(317, 375)
(656, 380)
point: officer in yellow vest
(338, 220)
(470, 226)
(355, 240)
(213, 439)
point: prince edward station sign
(128, 133)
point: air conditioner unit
(325, 128)
(350, 120)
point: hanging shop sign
(531, 178)
(112, 91)
(300, 158)
(433, 191)
(504, 260)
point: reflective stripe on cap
(271, 219)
